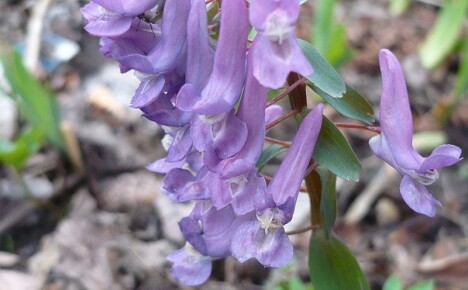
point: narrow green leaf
(16, 153)
(325, 77)
(37, 104)
(338, 52)
(397, 7)
(461, 86)
(424, 285)
(393, 283)
(352, 104)
(333, 151)
(332, 266)
(328, 198)
(269, 153)
(444, 34)
(323, 25)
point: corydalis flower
(262, 236)
(275, 48)
(394, 144)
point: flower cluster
(190, 87)
(210, 97)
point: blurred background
(78, 209)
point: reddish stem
(363, 127)
(281, 119)
(303, 230)
(286, 92)
(277, 141)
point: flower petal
(417, 197)
(192, 269)
(395, 114)
(443, 156)
(272, 249)
(286, 182)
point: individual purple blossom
(263, 237)
(394, 144)
(276, 51)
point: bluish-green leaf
(328, 198)
(332, 266)
(424, 285)
(393, 283)
(333, 151)
(352, 104)
(444, 34)
(17, 153)
(325, 77)
(37, 104)
(269, 153)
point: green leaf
(37, 104)
(325, 77)
(292, 284)
(338, 52)
(424, 285)
(444, 34)
(332, 266)
(397, 7)
(393, 283)
(328, 37)
(352, 104)
(333, 151)
(16, 153)
(461, 86)
(328, 198)
(269, 153)
(323, 25)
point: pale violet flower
(275, 48)
(394, 144)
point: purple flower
(275, 47)
(394, 144)
(263, 236)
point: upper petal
(395, 114)
(286, 182)
(443, 156)
(225, 84)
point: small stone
(387, 212)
